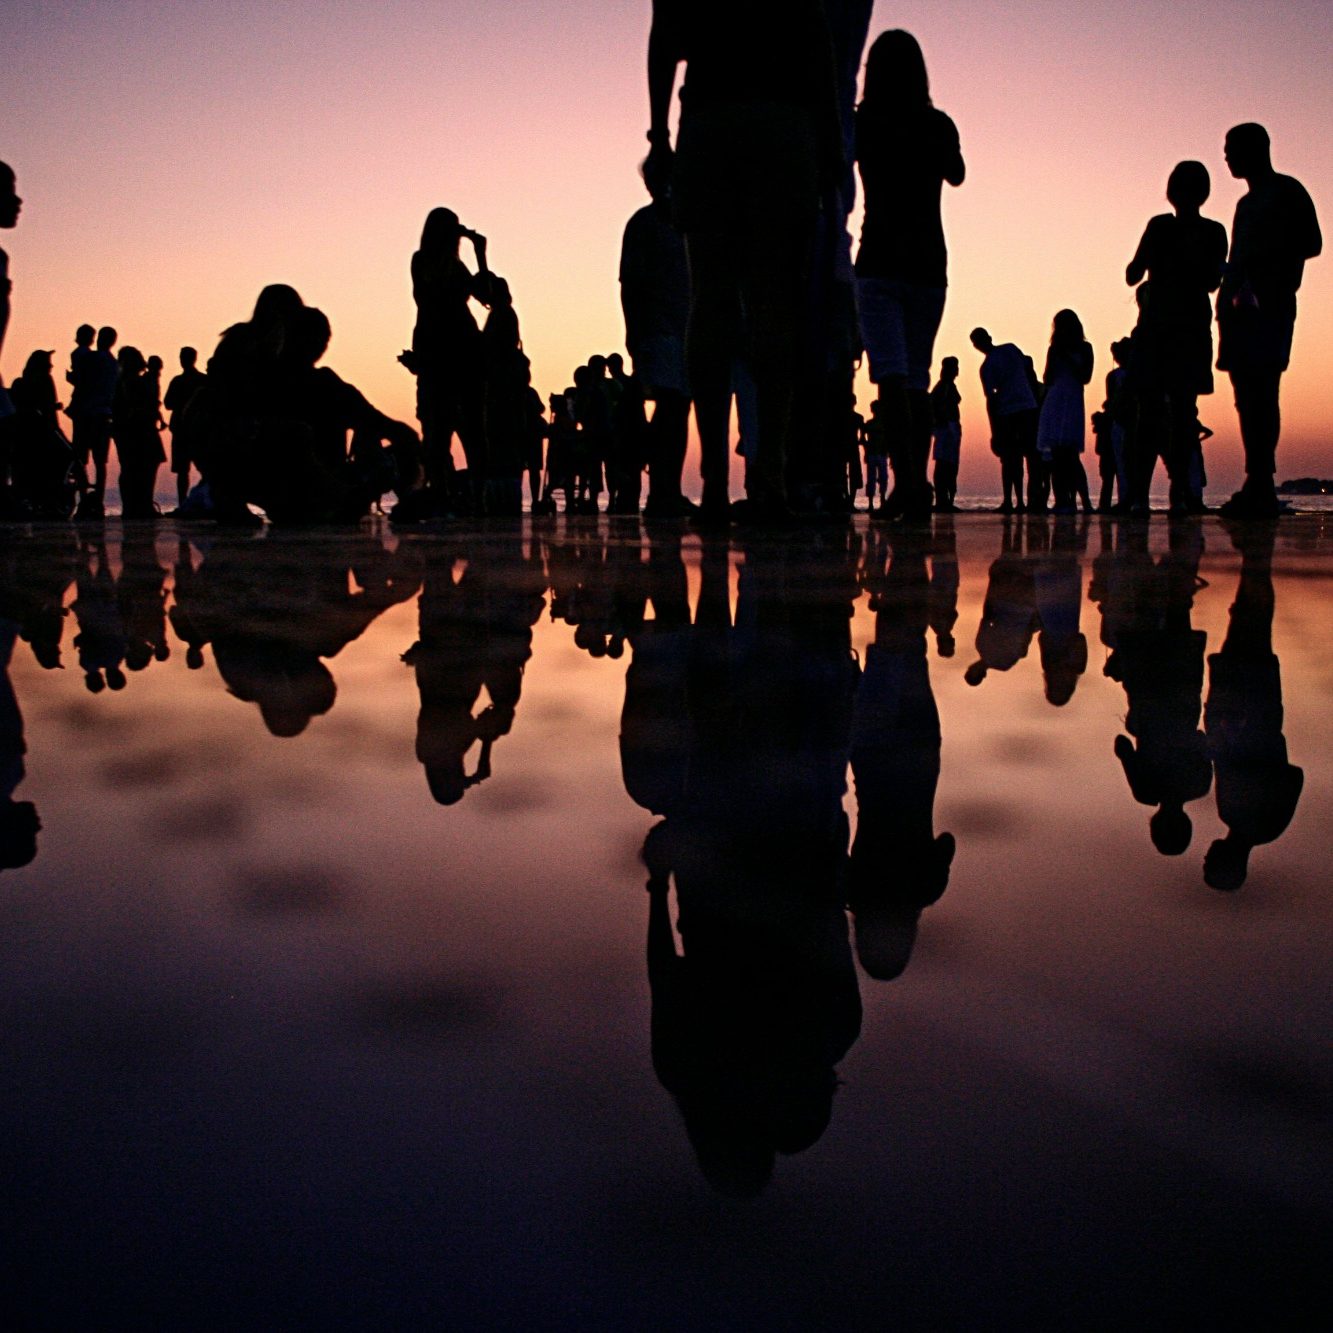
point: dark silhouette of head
(115, 678)
(131, 361)
(311, 334)
(1225, 864)
(441, 233)
(276, 304)
(10, 203)
(615, 363)
(84, 335)
(949, 369)
(38, 364)
(1247, 151)
(1066, 330)
(1188, 186)
(106, 338)
(1171, 830)
(981, 340)
(896, 73)
(1120, 350)
(886, 922)
(19, 827)
(154, 365)
(656, 174)
(189, 358)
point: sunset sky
(175, 157)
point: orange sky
(175, 157)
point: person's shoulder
(1291, 191)
(942, 124)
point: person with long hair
(134, 418)
(906, 149)
(1060, 428)
(446, 355)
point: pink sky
(175, 157)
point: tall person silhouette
(906, 149)
(759, 143)
(1275, 231)
(10, 207)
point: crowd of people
(739, 288)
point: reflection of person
(1257, 787)
(1008, 614)
(898, 866)
(906, 149)
(19, 824)
(1275, 231)
(739, 736)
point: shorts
(899, 321)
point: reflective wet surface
(980, 979)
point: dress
(1063, 420)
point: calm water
(332, 995)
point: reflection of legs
(1257, 391)
(710, 344)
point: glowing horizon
(306, 144)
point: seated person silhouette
(1257, 787)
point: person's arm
(5, 286)
(666, 51)
(952, 166)
(1309, 239)
(1138, 266)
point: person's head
(37, 366)
(84, 335)
(981, 340)
(311, 333)
(501, 296)
(441, 233)
(1225, 864)
(189, 358)
(615, 363)
(949, 369)
(1171, 830)
(945, 643)
(976, 673)
(10, 203)
(1247, 151)
(19, 827)
(597, 367)
(1066, 330)
(276, 304)
(656, 175)
(896, 72)
(106, 338)
(1188, 187)
(154, 365)
(1120, 351)
(131, 362)
(115, 678)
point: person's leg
(100, 447)
(923, 309)
(1257, 392)
(710, 343)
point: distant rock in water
(1307, 486)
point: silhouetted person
(91, 404)
(37, 457)
(1011, 407)
(943, 601)
(141, 589)
(1120, 409)
(1182, 256)
(898, 866)
(1275, 231)
(134, 418)
(1257, 787)
(1061, 428)
(1158, 658)
(180, 393)
(19, 824)
(906, 149)
(655, 299)
(945, 401)
(1057, 585)
(759, 141)
(446, 355)
(100, 640)
(34, 580)
(10, 208)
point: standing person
(655, 299)
(877, 458)
(945, 401)
(906, 149)
(95, 394)
(1121, 413)
(180, 391)
(1181, 255)
(759, 143)
(1061, 427)
(446, 355)
(138, 444)
(1275, 231)
(10, 208)
(77, 378)
(1011, 406)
